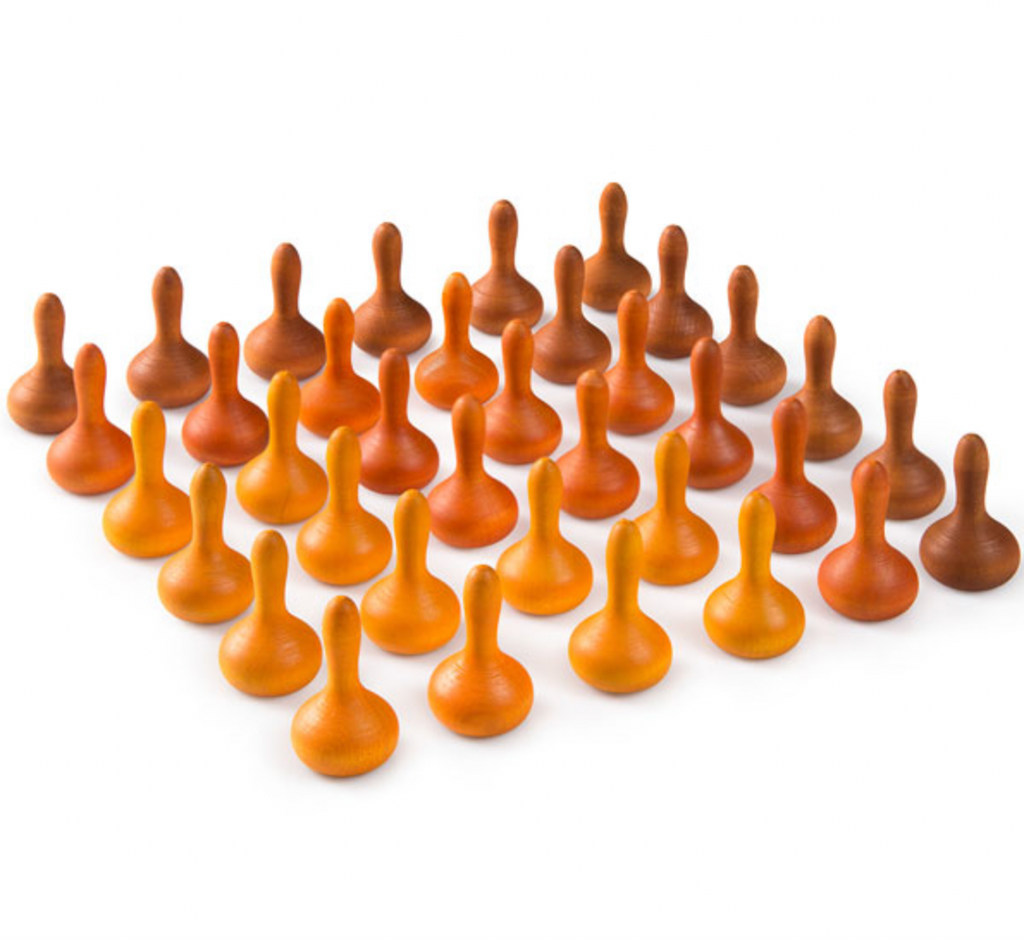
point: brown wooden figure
(43, 399)
(720, 453)
(396, 456)
(225, 428)
(868, 579)
(390, 319)
(471, 508)
(677, 320)
(968, 549)
(285, 341)
(91, 455)
(752, 371)
(520, 427)
(613, 271)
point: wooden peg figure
(282, 485)
(520, 427)
(471, 508)
(285, 341)
(677, 320)
(207, 581)
(968, 549)
(91, 455)
(169, 371)
(150, 517)
(480, 691)
(43, 399)
(621, 649)
(868, 579)
(598, 480)
(544, 573)
(754, 616)
(455, 368)
(396, 456)
(343, 543)
(613, 271)
(679, 546)
(752, 371)
(345, 729)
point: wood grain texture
(612, 270)
(677, 320)
(752, 371)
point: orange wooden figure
(169, 371)
(753, 371)
(270, 651)
(390, 319)
(679, 546)
(285, 341)
(569, 344)
(599, 481)
(282, 484)
(720, 453)
(43, 399)
(833, 424)
(480, 691)
(868, 579)
(520, 427)
(410, 611)
(346, 729)
(471, 508)
(753, 615)
(91, 455)
(544, 573)
(150, 517)
(916, 484)
(968, 549)
(396, 456)
(620, 648)
(455, 367)
(225, 428)
(613, 271)
(677, 320)
(343, 543)
(338, 396)
(207, 581)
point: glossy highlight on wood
(677, 320)
(752, 371)
(612, 270)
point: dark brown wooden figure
(640, 400)
(390, 319)
(868, 579)
(720, 453)
(752, 370)
(503, 294)
(90, 455)
(285, 341)
(396, 456)
(677, 320)
(43, 399)
(598, 480)
(805, 517)
(569, 344)
(456, 368)
(225, 428)
(916, 484)
(833, 424)
(338, 396)
(968, 549)
(471, 508)
(613, 271)
(169, 371)
(520, 427)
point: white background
(864, 159)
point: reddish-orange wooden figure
(285, 341)
(753, 371)
(613, 271)
(677, 320)
(968, 549)
(520, 427)
(481, 691)
(503, 294)
(91, 455)
(599, 481)
(43, 399)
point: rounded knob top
(569, 272)
(743, 292)
(393, 379)
(612, 209)
(503, 228)
(285, 275)
(387, 256)
(819, 352)
(168, 296)
(673, 253)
